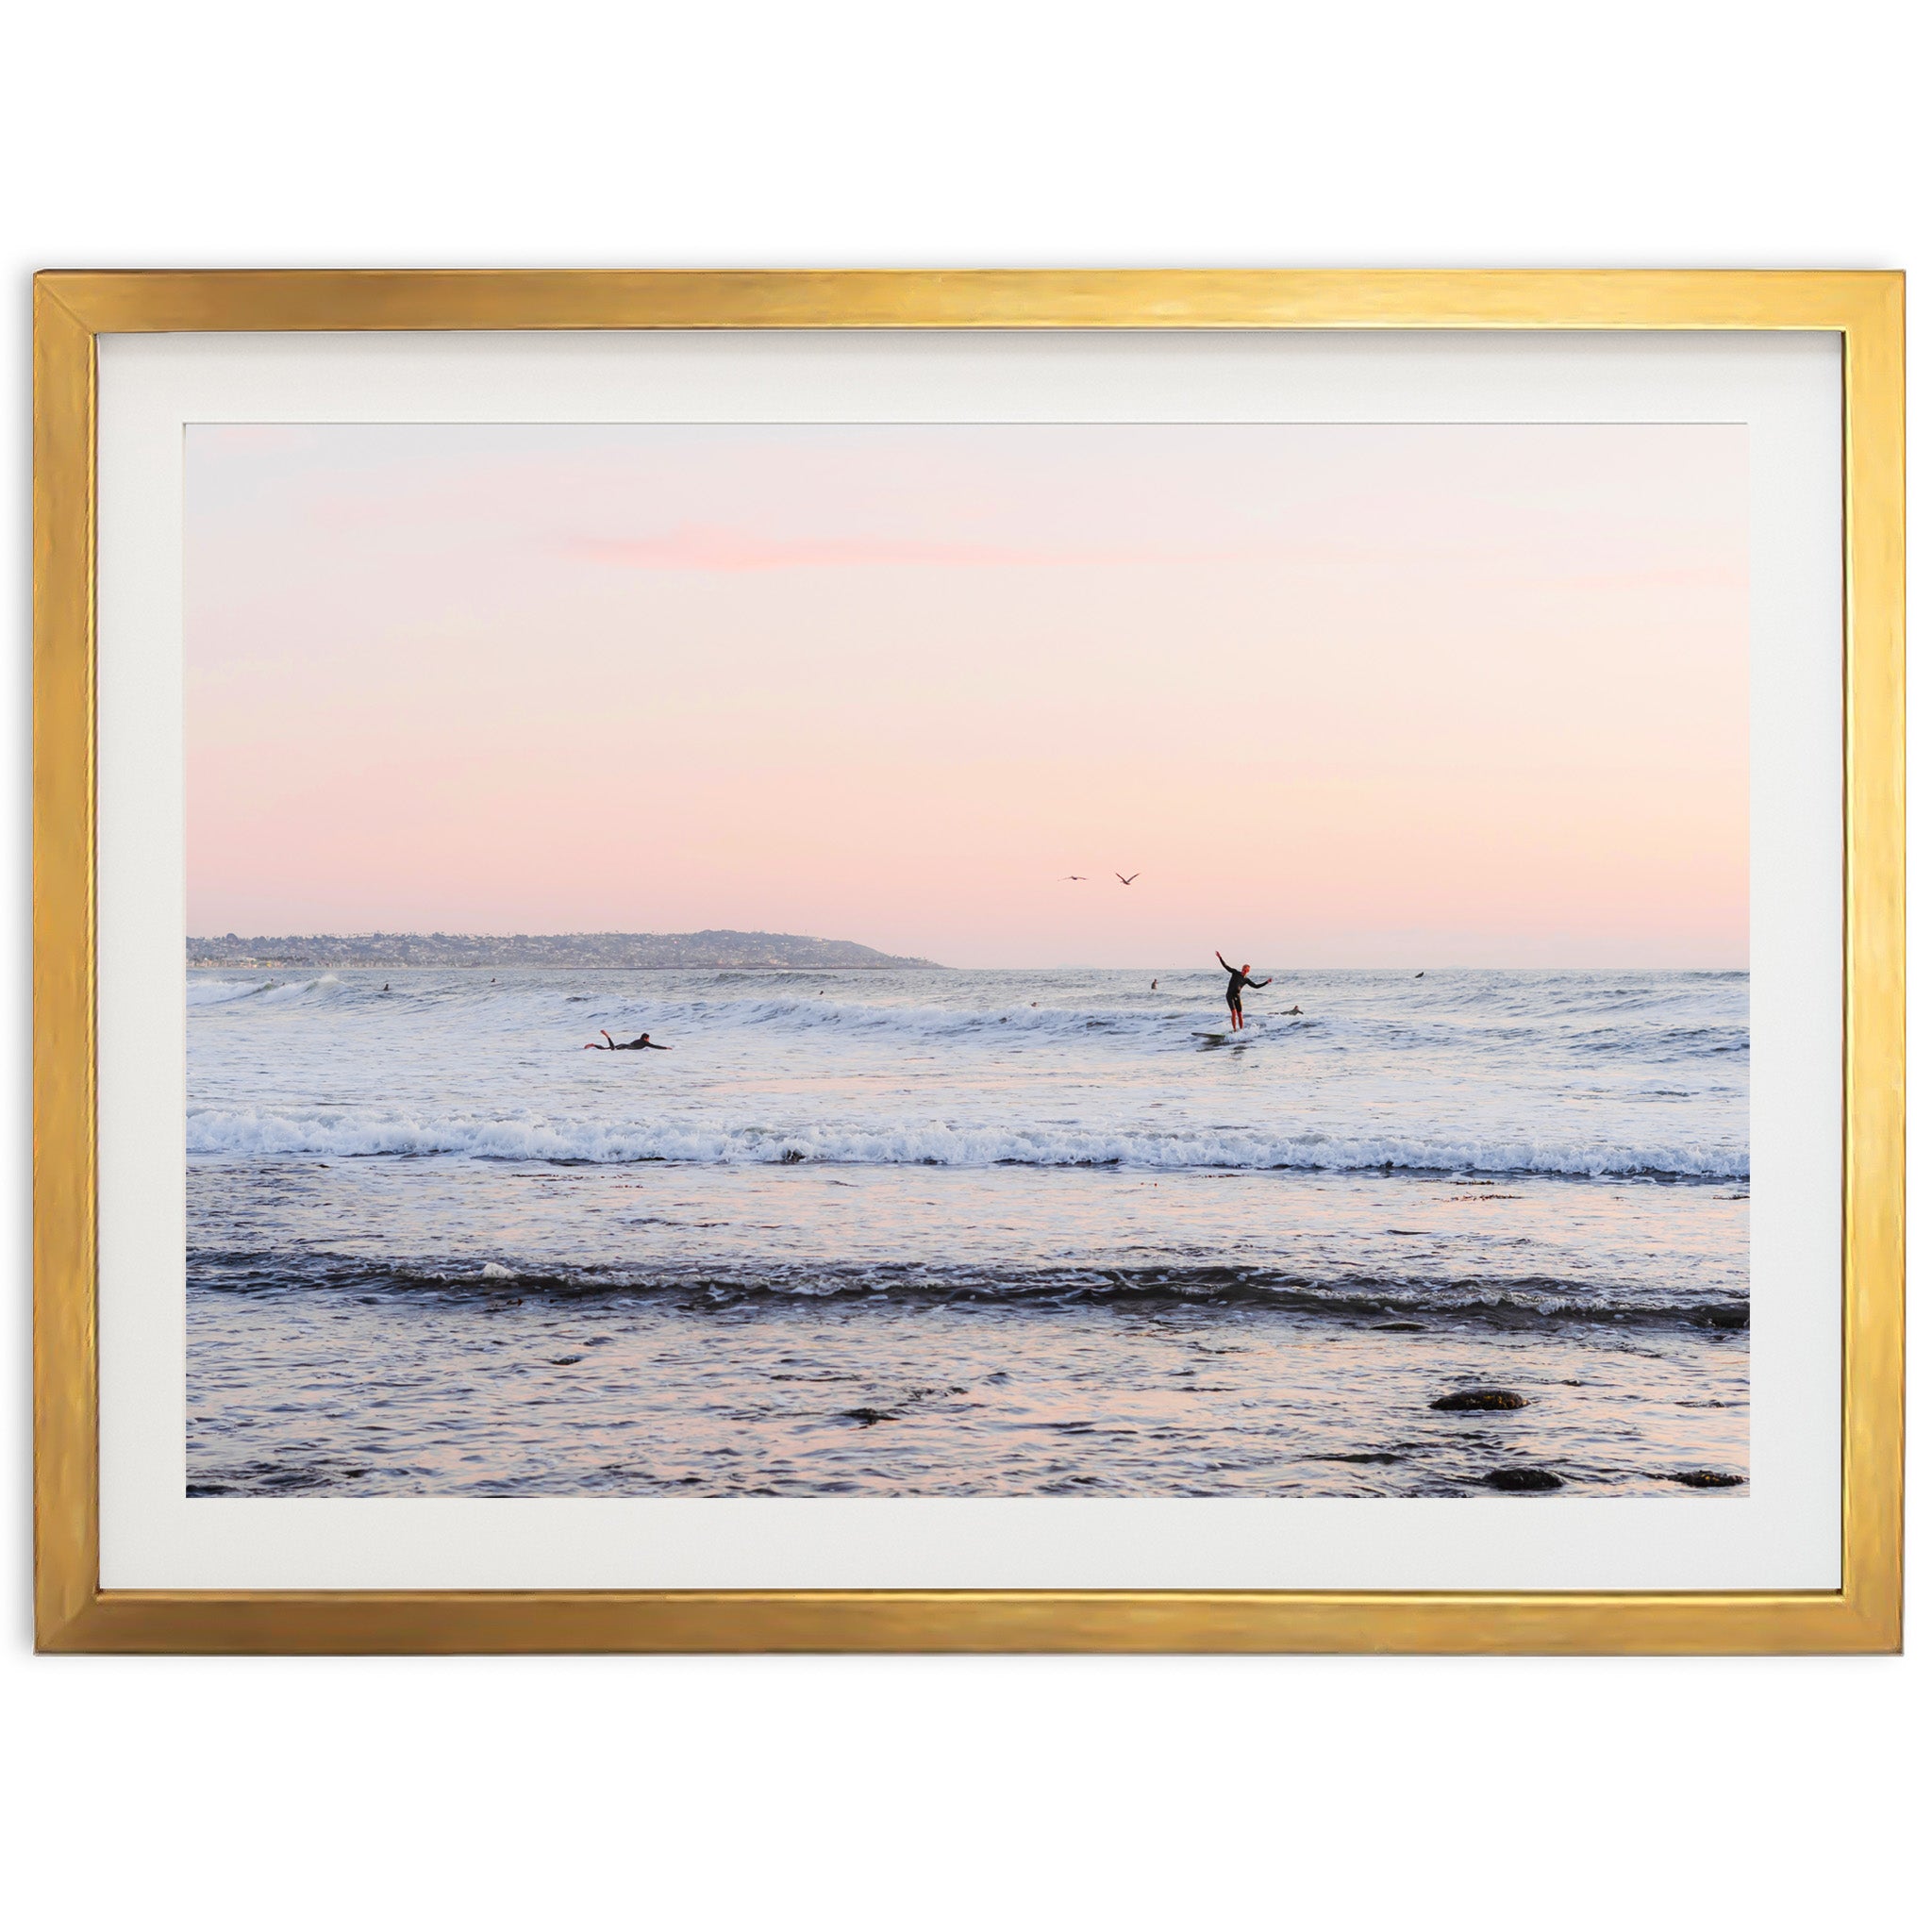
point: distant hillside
(647, 950)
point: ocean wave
(1181, 1023)
(351, 1132)
(1176, 1024)
(219, 992)
(1500, 1021)
(1513, 1301)
(222, 992)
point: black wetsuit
(1236, 981)
(643, 1040)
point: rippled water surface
(968, 1232)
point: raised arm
(1225, 966)
(1269, 981)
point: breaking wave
(222, 992)
(362, 1132)
(1511, 1301)
(1673, 1023)
(1172, 1024)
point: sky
(1370, 695)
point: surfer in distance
(637, 1045)
(1237, 981)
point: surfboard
(1256, 1024)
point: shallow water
(915, 1234)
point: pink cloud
(694, 546)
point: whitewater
(953, 1232)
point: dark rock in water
(1459, 1400)
(1706, 1479)
(1398, 1328)
(1719, 1316)
(1365, 1456)
(870, 1416)
(1520, 1480)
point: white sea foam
(222, 992)
(351, 1132)
(296, 988)
(1573, 1075)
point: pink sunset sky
(1368, 695)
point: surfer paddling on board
(637, 1045)
(1235, 982)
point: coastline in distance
(724, 950)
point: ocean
(968, 1232)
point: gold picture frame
(75, 1613)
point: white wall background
(1356, 1793)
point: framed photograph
(984, 961)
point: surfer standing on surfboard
(1236, 981)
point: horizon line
(906, 962)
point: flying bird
(1126, 879)
(1065, 877)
